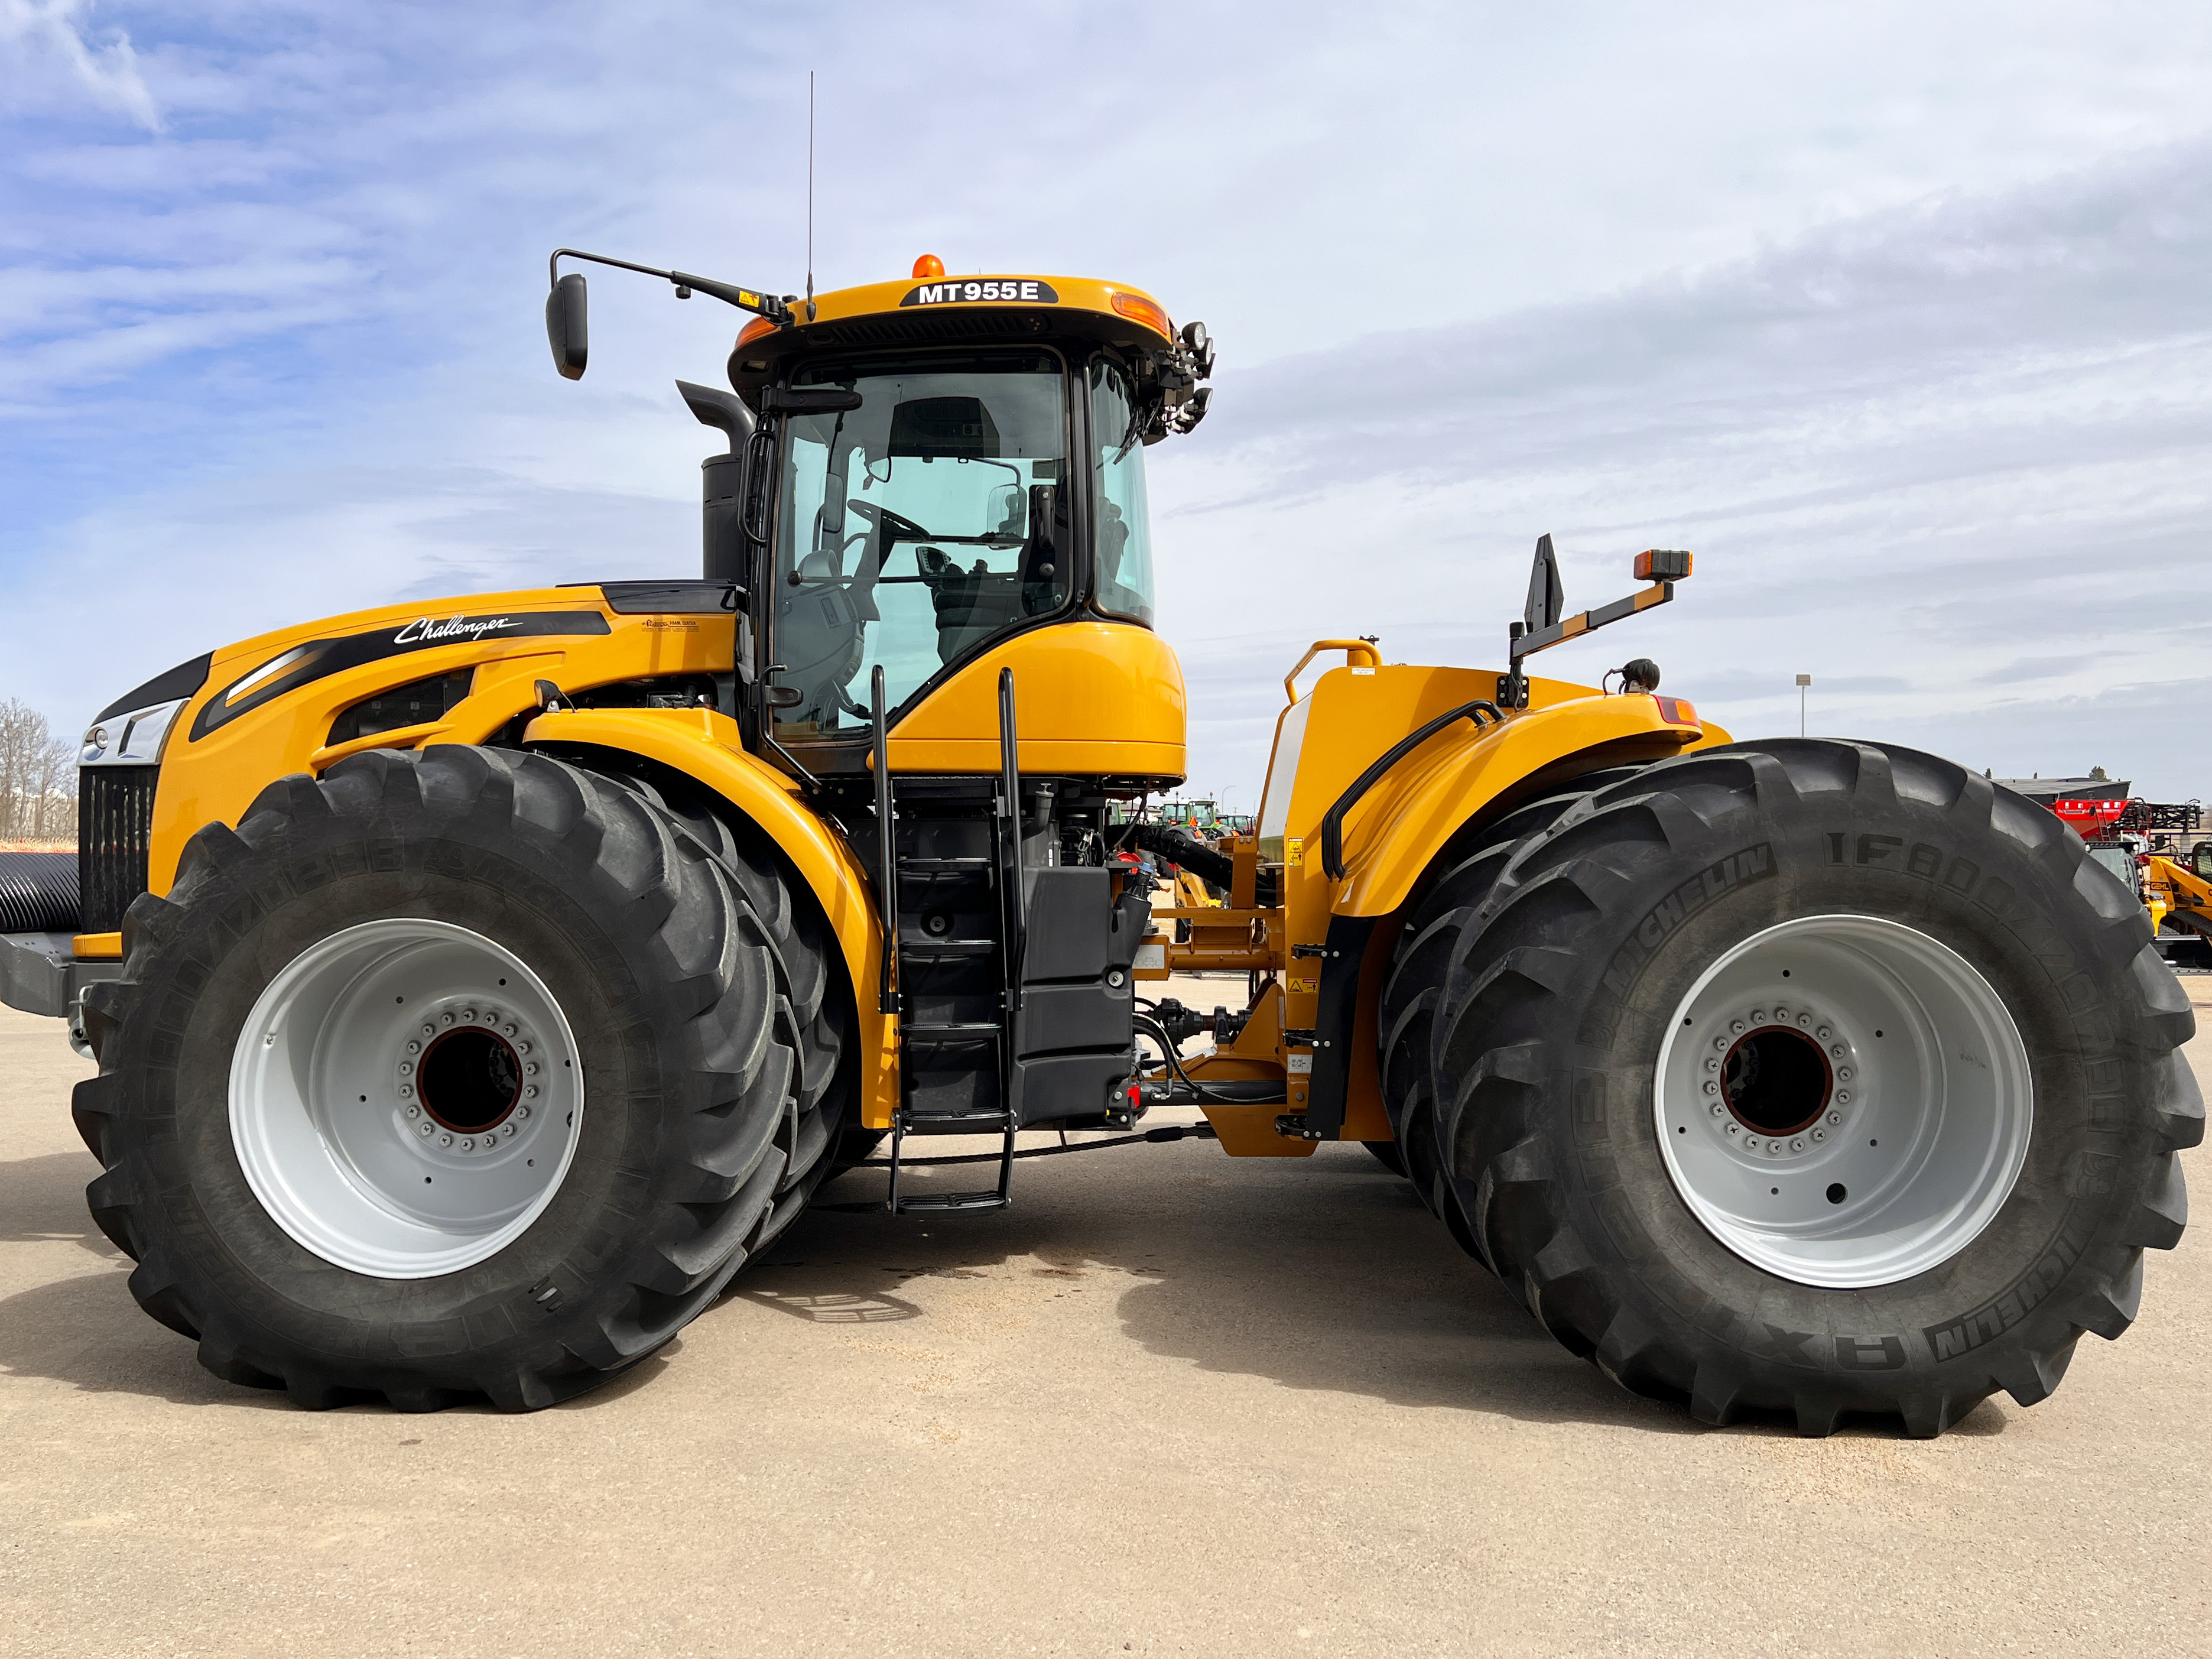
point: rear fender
(1463, 775)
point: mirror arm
(746, 299)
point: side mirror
(565, 326)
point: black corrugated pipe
(1198, 858)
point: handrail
(1011, 782)
(886, 846)
(1351, 648)
(1332, 825)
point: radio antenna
(810, 195)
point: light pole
(1803, 680)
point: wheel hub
(1843, 1101)
(404, 1098)
(1777, 1079)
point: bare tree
(37, 800)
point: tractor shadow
(79, 1324)
(1322, 1275)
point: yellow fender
(1394, 835)
(706, 745)
(1395, 832)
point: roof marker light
(927, 266)
(1149, 312)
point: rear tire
(673, 971)
(1554, 999)
(1419, 965)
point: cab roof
(981, 309)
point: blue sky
(1900, 315)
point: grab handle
(1353, 650)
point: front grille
(114, 841)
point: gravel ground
(1169, 1403)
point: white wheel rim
(1889, 1164)
(355, 1152)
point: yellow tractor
(2179, 893)
(477, 986)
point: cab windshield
(916, 526)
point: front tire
(1982, 1185)
(463, 1074)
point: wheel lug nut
(1824, 1034)
(406, 1090)
(406, 1068)
(414, 1048)
(1844, 1074)
(530, 1092)
(508, 1028)
(1759, 1016)
(1735, 1025)
(445, 1019)
(1819, 1134)
(1796, 1144)
(468, 1145)
(1712, 1088)
(1842, 1097)
(445, 1140)
(1717, 1108)
(521, 1113)
(429, 1030)
(422, 1128)
(1835, 1117)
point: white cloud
(40, 34)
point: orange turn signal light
(1660, 566)
(753, 330)
(927, 266)
(1149, 312)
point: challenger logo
(423, 631)
(1022, 290)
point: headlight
(134, 738)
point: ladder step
(992, 1117)
(945, 868)
(971, 1201)
(965, 1035)
(945, 950)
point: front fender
(706, 745)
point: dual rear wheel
(1805, 1078)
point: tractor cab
(942, 465)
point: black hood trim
(318, 659)
(181, 681)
